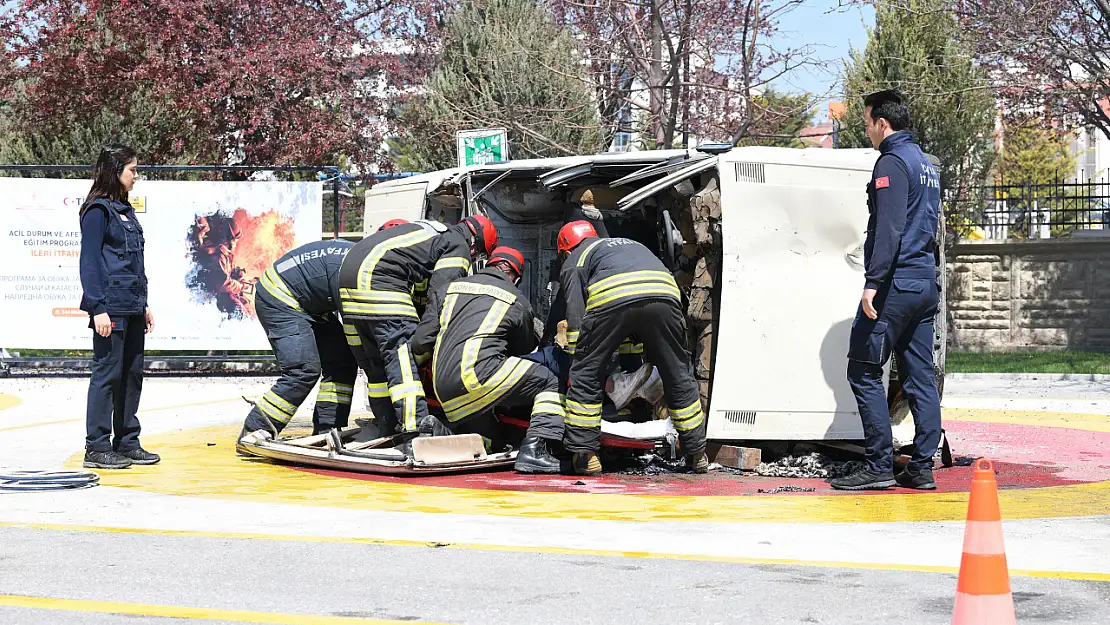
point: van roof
(646, 157)
(839, 158)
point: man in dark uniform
(900, 299)
(377, 283)
(615, 288)
(296, 302)
(483, 325)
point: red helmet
(392, 222)
(510, 256)
(484, 232)
(574, 233)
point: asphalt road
(447, 585)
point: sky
(833, 31)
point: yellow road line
(35, 425)
(175, 611)
(1076, 421)
(141, 412)
(9, 401)
(193, 468)
(646, 555)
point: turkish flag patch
(882, 183)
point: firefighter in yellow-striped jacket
(377, 286)
(615, 288)
(296, 302)
(484, 325)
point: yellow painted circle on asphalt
(9, 401)
(203, 463)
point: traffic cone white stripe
(984, 537)
(984, 609)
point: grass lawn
(1028, 362)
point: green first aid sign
(482, 147)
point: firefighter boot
(247, 437)
(626, 386)
(255, 430)
(534, 457)
(697, 463)
(586, 463)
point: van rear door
(399, 200)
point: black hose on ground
(40, 481)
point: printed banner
(206, 245)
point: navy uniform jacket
(903, 199)
(307, 278)
(113, 269)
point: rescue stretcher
(348, 450)
(358, 450)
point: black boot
(534, 457)
(105, 460)
(864, 479)
(920, 478)
(140, 456)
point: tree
(504, 63)
(1034, 155)
(779, 119)
(1046, 58)
(77, 140)
(915, 48)
(682, 68)
(258, 81)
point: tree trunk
(655, 78)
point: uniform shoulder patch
(882, 183)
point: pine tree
(504, 63)
(915, 48)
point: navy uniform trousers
(904, 329)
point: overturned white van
(766, 243)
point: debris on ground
(786, 489)
(645, 464)
(812, 465)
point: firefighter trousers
(306, 350)
(377, 384)
(516, 382)
(661, 325)
(389, 336)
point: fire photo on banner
(229, 254)
(207, 243)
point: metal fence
(342, 215)
(1037, 211)
(343, 193)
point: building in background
(824, 134)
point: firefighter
(370, 360)
(483, 326)
(377, 282)
(615, 288)
(296, 303)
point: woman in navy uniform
(114, 285)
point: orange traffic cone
(983, 594)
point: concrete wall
(1029, 295)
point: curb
(1014, 377)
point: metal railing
(1037, 211)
